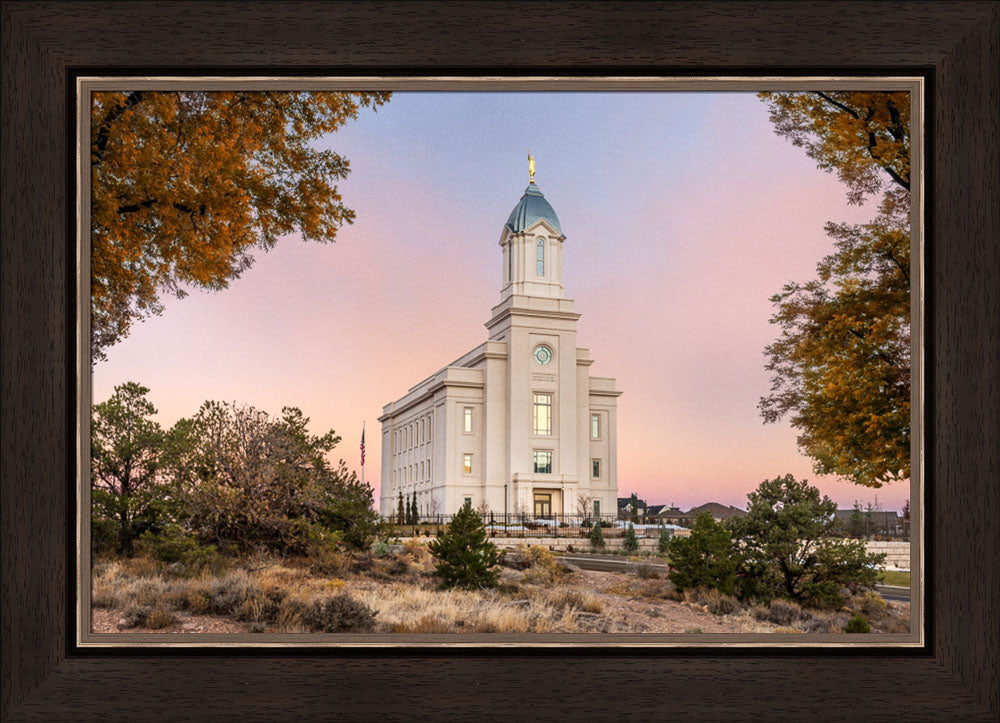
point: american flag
(362, 447)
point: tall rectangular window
(595, 426)
(468, 419)
(543, 462)
(595, 468)
(467, 464)
(597, 508)
(540, 256)
(543, 414)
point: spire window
(540, 257)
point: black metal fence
(524, 525)
(565, 525)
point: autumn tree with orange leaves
(841, 365)
(186, 185)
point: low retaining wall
(897, 552)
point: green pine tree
(400, 512)
(634, 504)
(856, 527)
(465, 558)
(630, 544)
(415, 509)
(597, 536)
(663, 544)
(409, 512)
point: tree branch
(882, 355)
(872, 138)
(904, 271)
(147, 203)
(845, 108)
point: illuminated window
(540, 257)
(468, 419)
(467, 464)
(543, 462)
(543, 414)
(595, 426)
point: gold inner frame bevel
(915, 85)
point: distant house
(670, 515)
(676, 516)
(625, 511)
(718, 511)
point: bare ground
(112, 621)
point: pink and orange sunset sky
(683, 213)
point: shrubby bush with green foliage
(177, 547)
(340, 614)
(231, 476)
(630, 543)
(789, 548)
(786, 547)
(706, 558)
(857, 624)
(464, 556)
(597, 536)
(663, 541)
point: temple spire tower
(531, 242)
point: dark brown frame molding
(955, 45)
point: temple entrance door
(543, 504)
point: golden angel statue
(531, 167)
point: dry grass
(714, 601)
(399, 594)
(882, 617)
(407, 608)
(543, 567)
(160, 618)
(653, 588)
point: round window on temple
(543, 355)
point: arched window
(540, 256)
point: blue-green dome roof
(532, 207)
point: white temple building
(517, 424)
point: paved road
(611, 563)
(892, 592)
